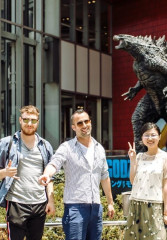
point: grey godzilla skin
(150, 67)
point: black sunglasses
(80, 124)
(27, 120)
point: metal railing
(59, 224)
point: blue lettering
(124, 168)
(109, 161)
(118, 168)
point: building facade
(56, 54)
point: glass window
(105, 27)
(28, 13)
(8, 87)
(29, 75)
(8, 14)
(65, 19)
(79, 21)
(6, 9)
(91, 22)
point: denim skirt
(145, 222)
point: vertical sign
(119, 174)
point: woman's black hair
(149, 126)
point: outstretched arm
(48, 173)
(132, 91)
(106, 185)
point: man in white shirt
(85, 166)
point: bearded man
(23, 158)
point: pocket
(65, 218)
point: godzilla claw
(130, 94)
(165, 92)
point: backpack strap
(10, 145)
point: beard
(28, 132)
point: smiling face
(28, 123)
(81, 124)
(150, 138)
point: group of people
(27, 164)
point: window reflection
(91, 22)
(29, 75)
(6, 9)
(8, 87)
(65, 19)
(79, 21)
(86, 23)
(28, 15)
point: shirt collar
(76, 141)
(17, 136)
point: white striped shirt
(81, 182)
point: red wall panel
(134, 17)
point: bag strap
(10, 145)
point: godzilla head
(140, 46)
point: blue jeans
(82, 221)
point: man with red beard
(22, 161)
(85, 167)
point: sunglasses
(27, 120)
(81, 123)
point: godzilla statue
(150, 66)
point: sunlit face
(82, 125)
(29, 123)
(151, 138)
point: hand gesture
(132, 152)
(44, 180)
(11, 171)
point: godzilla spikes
(150, 38)
(160, 41)
(163, 37)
